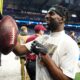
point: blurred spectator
(73, 36)
(23, 34)
(31, 57)
(22, 39)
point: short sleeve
(69, 63)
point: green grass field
(77, 77)
(78, 74)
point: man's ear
(62, 19)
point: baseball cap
(62, 11)
(39, 27)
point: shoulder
(30, 38)
(42, 38)
(70, 43)
(69, 40)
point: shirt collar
(55, 34)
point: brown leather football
(8, 34)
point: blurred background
(29, 13)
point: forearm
(56, 72)
(53, 69)
(20, 49)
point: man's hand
(38, 48)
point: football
(8, 34)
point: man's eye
(52, 13)
(47, 18)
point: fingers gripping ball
(8, 34)
(38, 48)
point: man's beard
(53, 25)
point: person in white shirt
(58, 52)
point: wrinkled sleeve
(28, 45)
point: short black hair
(62, 11)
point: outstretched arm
(20, 49)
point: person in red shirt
(31, 57)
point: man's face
(41, 32)
(53, 21)
(25, 32)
